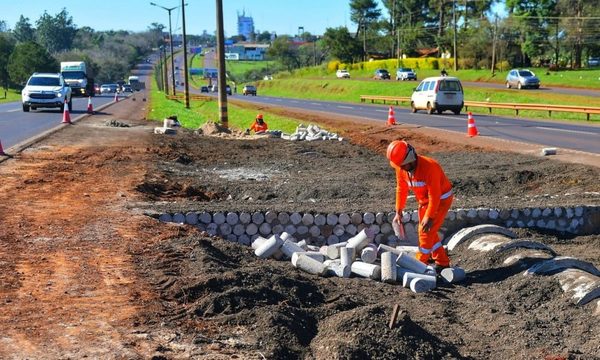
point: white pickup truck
(46, 90)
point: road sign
(211, 73)
(196, 71)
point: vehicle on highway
(46, 90)
(249, 90)
(97, 88)
(593, 61)
(228, 89)
(77, 77)
(342, 74)
(381, 74)
(204, 89)
(406, 74)
(214, 88)
(438, 94)
(127, 88)
(109, 88)
(522, 79)
(267, 77)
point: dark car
(249, 90)
(228, 89)
(204, 89)
(381, 74)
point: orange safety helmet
(400, 153)
(259, 116)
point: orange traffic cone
(471, 128)
(391, 120)
(66, 117)
(116, 96)
(2, 153)
(90, 107)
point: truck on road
(76, 75)
(135, 83)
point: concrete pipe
(232, 218)
(269, 247)
(308, 264)
(370, 271)
(409, 262)
(409, 276)
(289, 248)
(360, 240)
(369, 254)
(389, 270)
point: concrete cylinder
(368, 218)
(244, 239)
(205, 217)
(277, 229)
(258, 218)
(314, 231)
(218, 218)
(191, 218)
(409, 262)
(356, 218)
(332, 219)
(346, 256)
(343, 219)
(179, 218)
(283, 218)
(258, 242)
(369, 254)
(333, 251)
(320, 220)
(296, 218)
(245, 218)
(302, 244)
(453, 275)
(338, 230)
(251, 229)
(270, 216)
(360, 240)
(308, 219)
(333, 239)
(239, 229)
(389, 270)
(370, 271)
(265, 228)
(409, 276)
(316, 255)
(385, 248)
(336, 269)
(232, 218)
(269, 247)
(225, 229)
(289, 248)
(350, 229)
(421, 285)
(166, 217)
(308, 264)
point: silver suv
(46, 90)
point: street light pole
(454, 16)
(221, 61)
(185, 64)
(171, 44)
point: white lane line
(318, 104)
(383, 111)
(563, 130)
(345, 107)
(13, 110)
(295, 101)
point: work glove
(247, 131)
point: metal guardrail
(588, 110)
(192, 97)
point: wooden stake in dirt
(395, 312)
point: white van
(438, 94)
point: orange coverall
(433, 192)
(258, 127)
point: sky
(281, 16)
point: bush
(332, 66)
(483, 64)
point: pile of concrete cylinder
(358, 256)
(311, 133)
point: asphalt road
(575, 136)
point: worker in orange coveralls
(259, 126)
(433, 192)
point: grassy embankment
(9, 95)
(202, 111)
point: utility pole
(454, 16)
(364, 42)
(185, 64)
(166, 72)
(221, 69)
(494, 45)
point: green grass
(9, 95)
(202, 111)
(236, 69)
(349, 90)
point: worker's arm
(401, 194)
(434, 192)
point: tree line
(41, 46)
(559, 33)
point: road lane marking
(563, 130)
(318, 104)
(345, 107)
(383, 111)
(13, 110)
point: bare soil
(86, 273)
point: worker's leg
(429, 242)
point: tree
(56, 33)
(580, 23)
(28, 58)
(6, 48)
(23, 31)
(283, 50)
(340, 44)
(263, 37)
(3, 26)
(363, 13)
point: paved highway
(17, 126)
(581, 137)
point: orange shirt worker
(259, 126)
(433, 191)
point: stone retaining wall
(322, 229)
